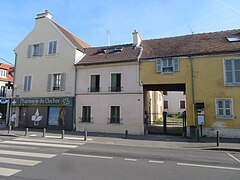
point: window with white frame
(35, 50)
(27, 83)
(3, 73)
(224, 108)
(115, 114)
(56, 82)
(52, 47)
(86, 114)
(167, 65)
(232, 71)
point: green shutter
(158, 65)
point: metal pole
(85, 135)
(44, 132)
(8, 112)
(197, 135)
(218, 138)
(9, 128)
(63, 132)
(26, 132)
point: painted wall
(149, 76)
(208, 76)
(174, 98)
(130, 99)
(40, 67)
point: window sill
(225, 118)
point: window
(56, 82)
(35, 50)
(52, 47)
(86, 114)
(165, 92)
(116, 82)
(167, 65)
(95, 82)
(3, 73)
(165, 104)
(182, 105)
(232, 71)
(3, 90)
(224, 108)
(27, 83)
(115, 114)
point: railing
(115, 120)
(94, 89)
(85, 120)
(115, 89)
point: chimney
(46, 14)
(136, 39)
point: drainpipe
(193, 89)
(138, 59)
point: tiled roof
(196, 44)
(80, 45)
(8, 68)
(110, 54)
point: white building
(109, 96)
(45, 75)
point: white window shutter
(29, 52)
(63, 81)
(228, 71)
(158, 65)
(41, 47)
(54, 47)
(176, 64)
(49, 83)
(50, 47)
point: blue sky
(90, 19)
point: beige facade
(129, 99)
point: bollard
(218, 138)
(26, 132)
(44, 132)
(63, 132)
(85, 135)
(9, 129)
(126, 134)
(197, 135)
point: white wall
(174, 98)
(130, 99)
(40, 67)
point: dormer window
(233, 39)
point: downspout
(75, 99)
(193, 89)
(138, 59)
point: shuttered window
(35, 50)
(86, 114)
(224, 108)
(116, 82)
(27, 83)
(232, 71)
(52, 47)
(167, 65)
(95, 83)
(115, 114)
(56, 82)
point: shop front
(48, 112)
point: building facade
(44, 84)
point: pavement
(155, 141)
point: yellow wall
(208, 85)
(148, 75)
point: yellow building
(204, 66)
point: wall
(174, 98)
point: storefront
(48, 112)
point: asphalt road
(58, 159)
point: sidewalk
(155, 141)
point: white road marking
(157, 162)
(33, 135)
(234, 157)
(39, 144)
(19, 161)
(207, 166)
(129, 159)
(27, 154)
(8, 171)
(49, 141)
(89, 156)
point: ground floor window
(86, 114)
(182, 105)
(115, 114)
(224, 108)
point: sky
(94, 21)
